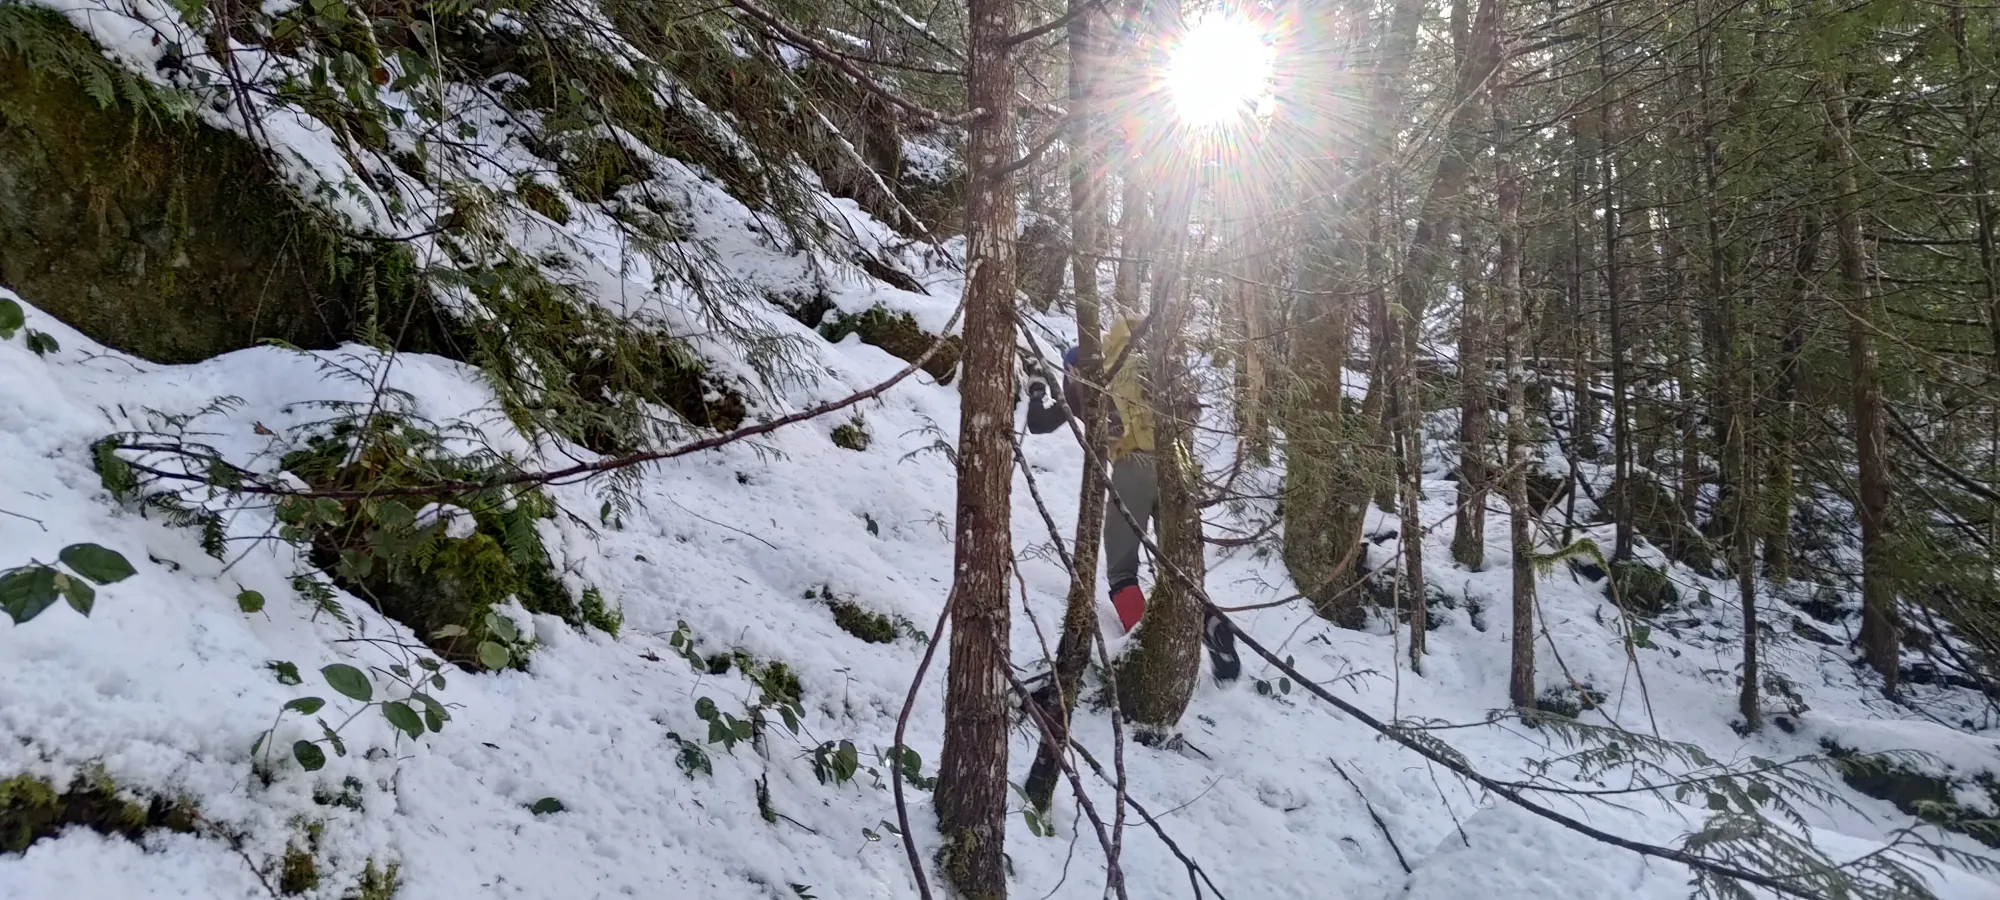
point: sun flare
(1220, 72)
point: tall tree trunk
(1881, 638)
(1086, 216)
(1521, 675)
(972, 770)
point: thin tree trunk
(1468, 539)
(1521, 675)
(1086, 214)
(1785, 400)
(1614, 302)
(1881, 638)
(972, 770)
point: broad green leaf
(286, 673)
(391, 514)
(250, 602)
(28, 590)
(42, 342)
(349, 681)
(309, 755)
(502, 627)
(306, 705)
(493, 656)
(432, 720)
(97, 563)
(403, 717)
(78, 592)
(11, 318)
(545, 806)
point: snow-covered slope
(166, 685)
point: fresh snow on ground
(167, 686)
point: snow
(167, 685)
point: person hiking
(1133, 481)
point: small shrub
(441, 574)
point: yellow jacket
(1131, 420)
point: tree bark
(1521, 674)
(1468, 538)
(972, 770)
(1881, 638)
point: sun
(1220, 71)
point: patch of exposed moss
(543, 199)
(899, 335)
(376, 883)
(298, 871)
(851, 436)
(32, 809)
(125, 217)
(862, 622)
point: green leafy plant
(690, 758)
(835, 762)
(25, 591)
(414, 714)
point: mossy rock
(1656, 516)
(1929, 796)
(1569, 701)
(32, 809)
(126, 218)
(899, 335)
(1645, 590)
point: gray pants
(1133, 483)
